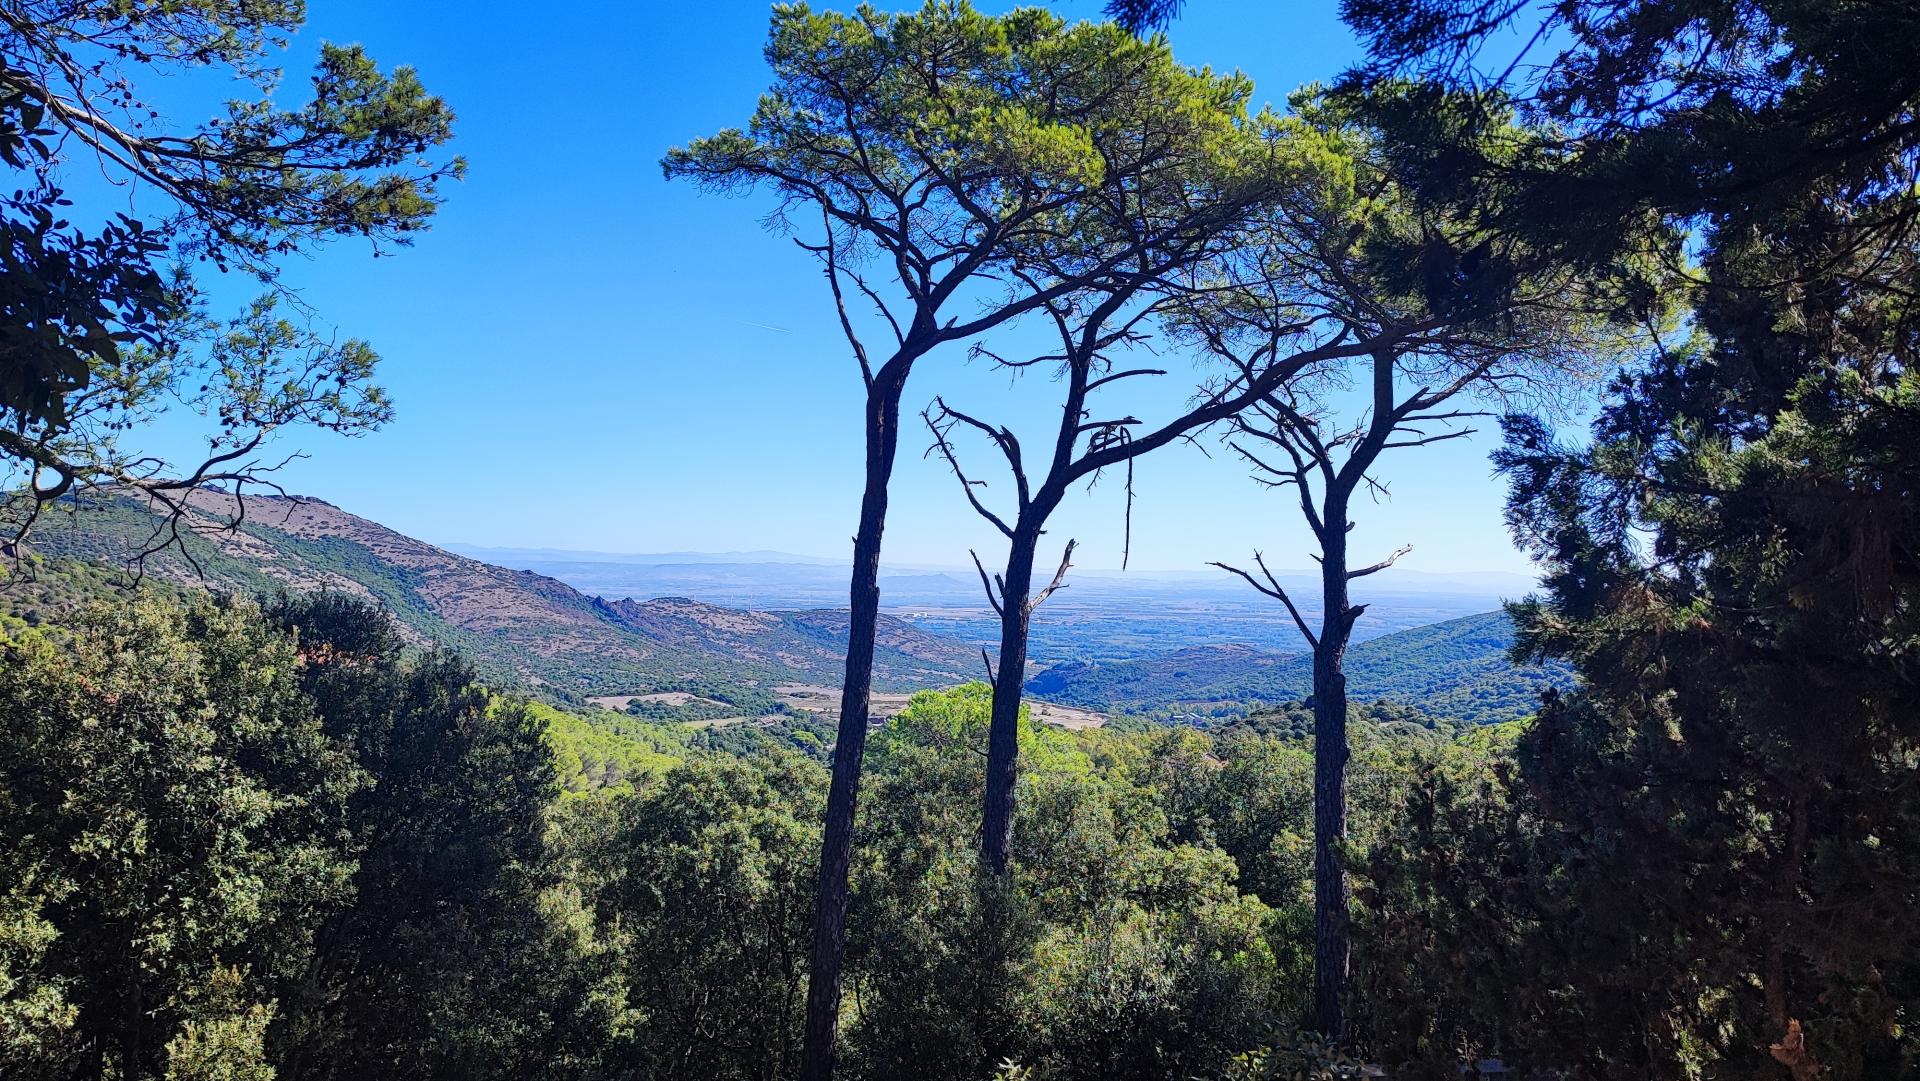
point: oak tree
(179, 814)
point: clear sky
(585, 356)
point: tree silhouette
(953, 149)
(1100, 326)
(1452, 313)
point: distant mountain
(1102, 615)
(514, 624)
(506, 556)
(528, 627)
(772, 569)
(1457, 670)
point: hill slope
(1457, 669)
(514, 624)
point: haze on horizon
(1395, 578)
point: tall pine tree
(1727, 804)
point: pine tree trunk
(1009, 685)
(1332, 950)
(132, 1038)
(836, 844)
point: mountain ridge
(1404, 578)
(523, 627)
(514, 623)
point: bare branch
(1382, 565)
(1059, 579)
(987, 584)
(1272, 588)
(1002, 437)
(1425, 440)
(979, 349)
(899, 336)
(827, 255)
(1117, 376)
(944, 446)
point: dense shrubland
(264, 839)
(259, 840)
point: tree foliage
(1452, 312)
(177, 816)
(1724, 800)
(1127, 953)
(253, 844)
(703, 889)
(1003, 163)
(444, 963)
(955, 146)
(249, 840)
(103, 326)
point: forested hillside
(286, 795)
(516, 625)
(1457, 671)
(523, 629)
(335, 859)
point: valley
(1102, 615)
(1456, 671)
(867, 316)
(1176, 648)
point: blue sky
(585, 356)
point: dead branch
(1059, 579)
(1117, 376)
(832, 270)
(1002, 438)
(944, 447)
(1382, 565)
(1428, 440)
(1272, 588)
(999, 607)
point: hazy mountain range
(576, 624)
(1103, 614)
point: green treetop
(989, 166)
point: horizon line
(809, 559)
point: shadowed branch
(1272, 588)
